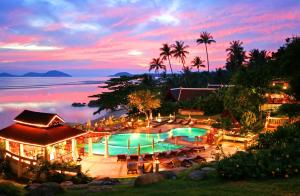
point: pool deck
(99, 166)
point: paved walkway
(98, 166)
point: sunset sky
(100, 37)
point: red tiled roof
(39, 136)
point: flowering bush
(276, 155)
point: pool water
(118, 143)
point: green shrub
(168, 107)
(211, 104)
(7, 188)
(81, 178)
(276, 155)
(291, 110)
(5, 168)
(56, 177)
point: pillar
(22, 150)
(45, 153)
(106, 154)
(90, 141)
(74, 149)
(21, 154)
(7, 145)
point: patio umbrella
(139, 150)
(128, 145)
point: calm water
(47, 95)
(118, 143)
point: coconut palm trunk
(183, 63)
(170, 65)
(207, 58)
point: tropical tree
(257, 58)
(197, 62)
(157, 64)
(118, 90)
(179, 51)
(166, 53)
(206, 39)
(145, 101)
(235, 57)
(248, 119)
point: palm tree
(157, 64)
(166, 53)
(179, 51)
(197, 62)
(257, 58)
(236, 56)
(206, 38)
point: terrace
(115, 147)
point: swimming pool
(118, 143)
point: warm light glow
(156, 161)
(135, 135)
(40, 125)
(32, 144)
(170, 133)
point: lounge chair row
(161, 155)
(183, 163)
(134, 158)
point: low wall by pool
(118, 143)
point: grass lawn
(210, 186)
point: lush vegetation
(210, 186)
(8, 188)
(250, 75)
(277, 154)
(144, 101)
(290, 110)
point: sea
(53, 95)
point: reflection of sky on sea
(55, 97)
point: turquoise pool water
(118, 143)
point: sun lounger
(198, 149)
(180, 153)
(171, 121)
(191, 122)
(162, 155)
(185, 122)
(172, 154)
(132, 167)
(168, 165)
(133, 158)
(198, 159)
(148, 168)
(176, 162)
(148, 157)
(186, 163)
(121, 157)
(178, 121)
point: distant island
(52, 73)
(121, 74)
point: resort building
(45, 136)
(185, 94)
